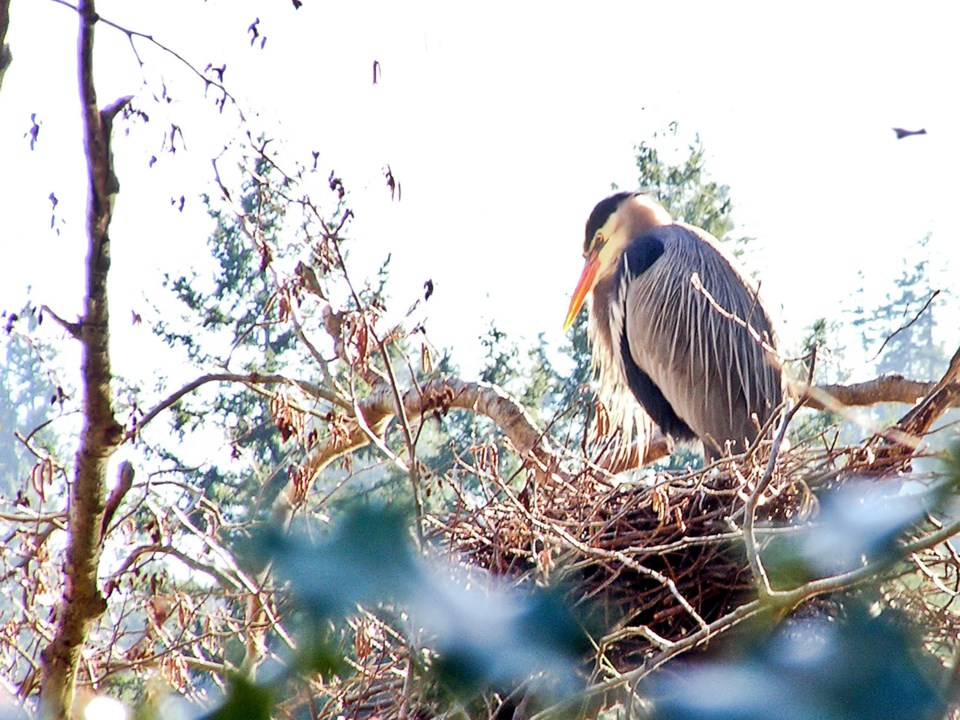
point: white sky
(505, 122)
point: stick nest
(659, 555)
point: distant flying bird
(901, 133)
(696, 370)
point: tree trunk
(82, 603)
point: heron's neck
(644, 216)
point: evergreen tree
(30, 397)
(225, 325)
(237, 319)
(898, 336)
(904, 324)
(686, 189)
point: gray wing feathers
(712, 372)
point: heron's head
(613, 224)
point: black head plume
(603, 210)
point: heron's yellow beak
(587, 281)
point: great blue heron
(674, 321)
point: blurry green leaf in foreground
(245, 701)
(482, 634)
(366, 559)
(861, 668)
(858, 524)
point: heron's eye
(594, 244)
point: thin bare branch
(72, 328)
(906, 325)
(750, 509)
(158, 549)
(134, 34)
(250, 379)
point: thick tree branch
(82, 602)
(944, 395)
(888, 388)
(436, 396)
(440, 394)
